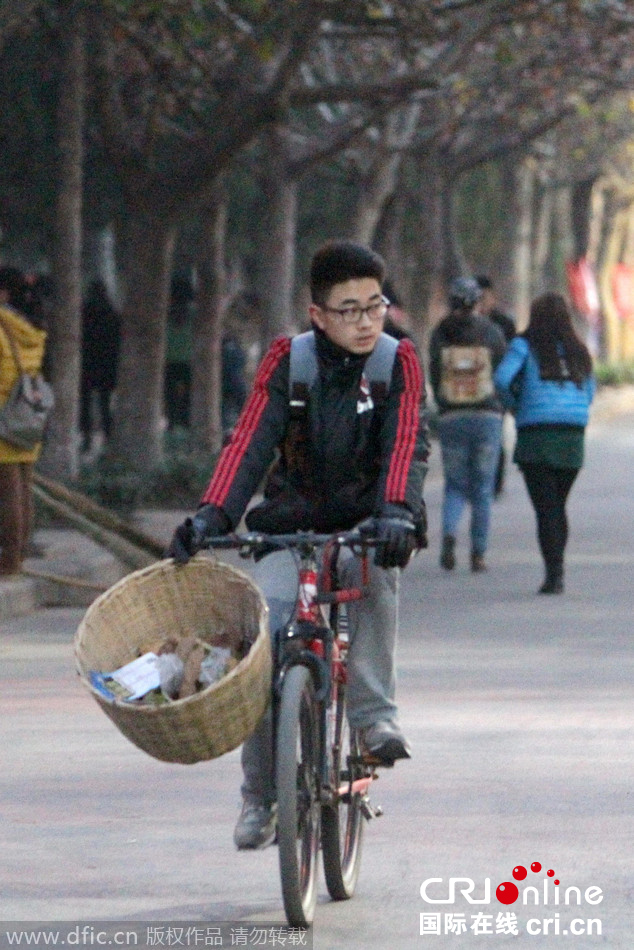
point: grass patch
(614, 374)
(178, 483)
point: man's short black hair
(338, 261)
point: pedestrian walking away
(348, 450)
(464, 350)
(101, 342)
(546, 380)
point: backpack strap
(303, 369)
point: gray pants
(373, 625)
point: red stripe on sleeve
(247, 424)
(407, 425)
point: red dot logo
(507, 893)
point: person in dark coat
(342, 460)
(464, 349)
(101, 341)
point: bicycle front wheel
(342, 821)
(298, 795)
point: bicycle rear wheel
(342, 821)
(298, 795)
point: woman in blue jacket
(546, 379)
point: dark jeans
(470, 443)
(548, 489)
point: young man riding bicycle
(347, 450)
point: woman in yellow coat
(16, 465)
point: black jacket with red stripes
(343, 460)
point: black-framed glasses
(350, 315)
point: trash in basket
(180, 668)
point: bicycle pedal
(368, 810)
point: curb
(83, 568)
(17, 597)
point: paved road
(519, 708)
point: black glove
(396, 537)
(189, 537)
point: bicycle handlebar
(252, 540)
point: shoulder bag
(24, 415)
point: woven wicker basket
(206, 599)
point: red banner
(623, 291)
(583, 289)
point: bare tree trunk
(388, 241)
(60, 455)
(379, 183)
(542, 243)
(206, 401)
(523, 215)
(428, 254)
(456, 263)
(563, 238)
(138, 414)
(582, 193)
(377, 187)
(505, 264)
(596, 223)
(280, 261)
(277, 234)
(613, 324)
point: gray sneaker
(256, 826)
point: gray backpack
(303, 370)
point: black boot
(553, 582)
(447, 555)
